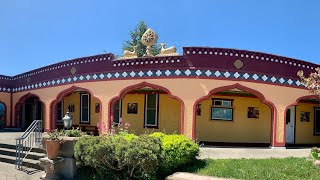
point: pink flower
(101, 126)
(126, 125)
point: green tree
(135, 37)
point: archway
(302, 122)
(28, 109)
(234, 115)
(147, 107)
(84, 107)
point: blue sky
(37, 33)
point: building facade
(212, 95)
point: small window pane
(288, 116)
(85, 113)
(85, 101)
(151, 117)
(151, 110)
(151, 100)
(84, 107)
(221, 114)
(217, 103)
(59, 111)
(226, 103)
(117, 109)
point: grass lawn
(288, 168)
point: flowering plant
(122, 129)
(312, 82)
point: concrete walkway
(190, 176)
(213, 152)
(8, 172)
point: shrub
(85, 149)
(314, 153)
(126, 155)
(177, 150)
(74, 132)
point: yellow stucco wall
(5, 98)
(74, 98)
(187, 89)
(241, 129)
(305, 130)
(168, 119)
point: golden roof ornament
(130, 54)
(149, 38)
(170, 51)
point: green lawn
(288, 168)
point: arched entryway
(3, 114)
(28, 109)
(147, 108)
(302, 122)
(234, 115)
(83, 106)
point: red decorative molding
(126, 90)
(247, 89)
(294, 104)
(60, 96)
(19, 103)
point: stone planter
(69, 169)
(67, 147)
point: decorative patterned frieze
(163, 73)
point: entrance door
(28, 115)
(290, 123)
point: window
(317, 121)
(222, 109)
(117, 111)
(84, 108)
(151, 110)
(60, 111)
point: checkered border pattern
(161, 73)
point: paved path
(256, 153)
(9, 137)
(8, 172)
(190, 176)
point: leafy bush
(54, 135)
(125, 155)
(74, 133)
(314, 153)
(177, 150)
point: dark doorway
(31, 109)
(28, 115)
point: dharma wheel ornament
(149, 38)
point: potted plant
(52, 143)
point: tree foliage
(312, 82)
(135, 37)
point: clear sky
(37, 33)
